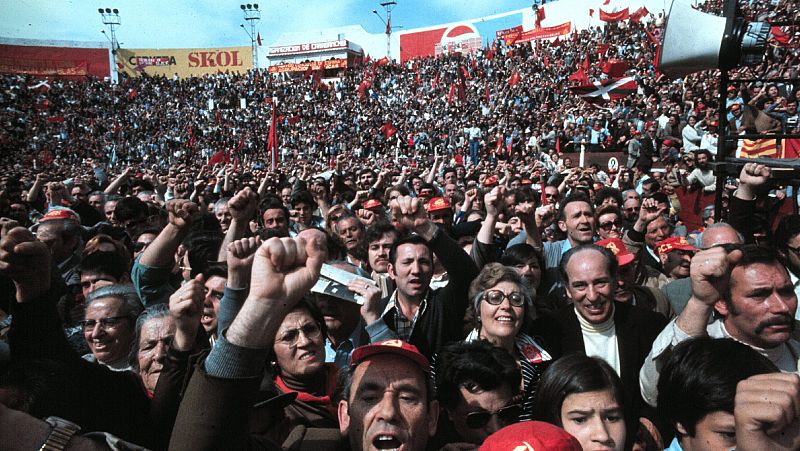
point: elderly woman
(298, 366)
(502, 301)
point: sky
(216, 23)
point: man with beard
(380, 237)
(675, 254)
(753, 297)
(702, 175)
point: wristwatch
(60, 435)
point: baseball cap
(438, 203)
(395, 347)
(490, 181)
(735, 107)
(372, 203)
(617, 247)
(60, 213)
(531, 436)
(674, 243)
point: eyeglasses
(105, 323)
(608, 225)
(139, 246)
(496, 297)
(507, 415)
(311, 331)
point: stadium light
(112, 21)
(252, 15)
(388, 6)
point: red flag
(220, 157)
(651, 37)
(272, 140)
(540, 16)
(514, 79)
(556, 42)
(606, 2)
(388, 129)
(451, 93)
(637, 15)
(435, 81)
(579, 76)
(591, 12)
(308, 72)
(293, 120)
(780, 36)
(615, 68)
(367, 59)
(546, 62)
(544, 196)
(759, 148)
(389, 25)
(362, 88)
(499, 145)
(383, 61)
(258, 38)
(791, 148)
(486, 94)
(587, 62)
(615, 16)
(606, 90)
(419, 79)
(558, 144)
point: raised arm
(242, 208)
(218, 401)
(114, 186)
(161, 252)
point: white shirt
(600, 340)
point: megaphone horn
(695, 41)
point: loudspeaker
(696, 41)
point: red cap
(60, 213)
(438, 203)
(635, 132)
(396, 347)
(531, 436)
(526, 182)
(668, 142)
(731, 88)
(617, 247)
(490, 181)
(372, 203)
(674, 243)
(736, 107)
(712, 123)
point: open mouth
(308, 355)
(386, 442)
(505, 319)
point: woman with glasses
(298, 366)
(108, 325)
(503, 303)
(609, 222)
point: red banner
(540, 33)
(54, 61)
(614, 17)
(309, 66)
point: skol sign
(184, 62)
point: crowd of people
(425, 265)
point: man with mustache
(702, 175)
(753, 297)
(380, 237)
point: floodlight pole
(388, 6)
(252, 15)
(111, 19)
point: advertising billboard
(61, 62)
(184, 62)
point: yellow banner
(184, 62)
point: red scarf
(325, 400)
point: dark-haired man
(426, 318)
(476, 384)
(753, 296)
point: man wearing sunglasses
(477, 386)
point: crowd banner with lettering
(312, 65)
(513, 31)
(184, 62)
(308, 47)
(540, 33)
(61, 62)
